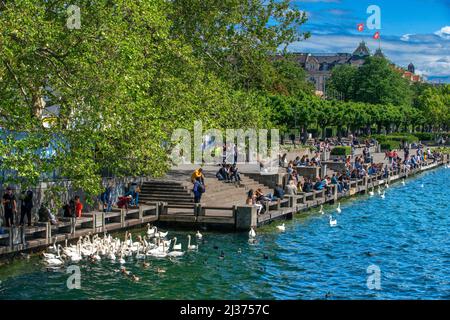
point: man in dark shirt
(307, 186)
(9, 204)
(278, 193)
(25, 206)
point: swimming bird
(135, 278)
(52, 249)
(222, 255)
(265, 256)
(150, 231)
(139, 255)
(281, 228)
(175, 253)
(160, 270)
(160, 234)
(191, 246)
(175, 245)
(333, 222)
(338, 209)
(199, 235)
(55, 261)
(252, 233)
(321, 209)
(125, 271)
(121, 259)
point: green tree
(237, 38)
(376, 81)
(342, 81)
(290, 77)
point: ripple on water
(405, 235)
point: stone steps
(178, 190)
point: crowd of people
(47, 212)
(356, 167)
(228, 173)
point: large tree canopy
(113, 91)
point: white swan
(121, 259)
(333, 222)
(56, 261)
(150, 231)
(95, 255)
(53, 248)
(199, 235)
(282, 228)
(175, 245)
(76, 256)
(111, 256)
(338, 209)
(175, 254)
(158, 253)
(252, 233)
(159, 234)
(191, 246)
(139, 255)
(321, 209)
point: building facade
(319, 66)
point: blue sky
(415, 31)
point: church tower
(362, 51)
(379, 53)
(411, 68)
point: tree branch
(22, 89)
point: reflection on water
(405, 235)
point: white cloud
(429, 53)
(444, 32)
(405, 37)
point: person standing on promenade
(198, 174)
(9, 204)
(198, 190)
(78, 207)
(25, 206)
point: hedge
(409, 138)
(425, 136)
(341, 151)
(389, 145)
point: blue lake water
(405, 235)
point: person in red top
(78, 207)
(124, 201)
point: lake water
(405, 235)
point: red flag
(360, 27)
(376, 36)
